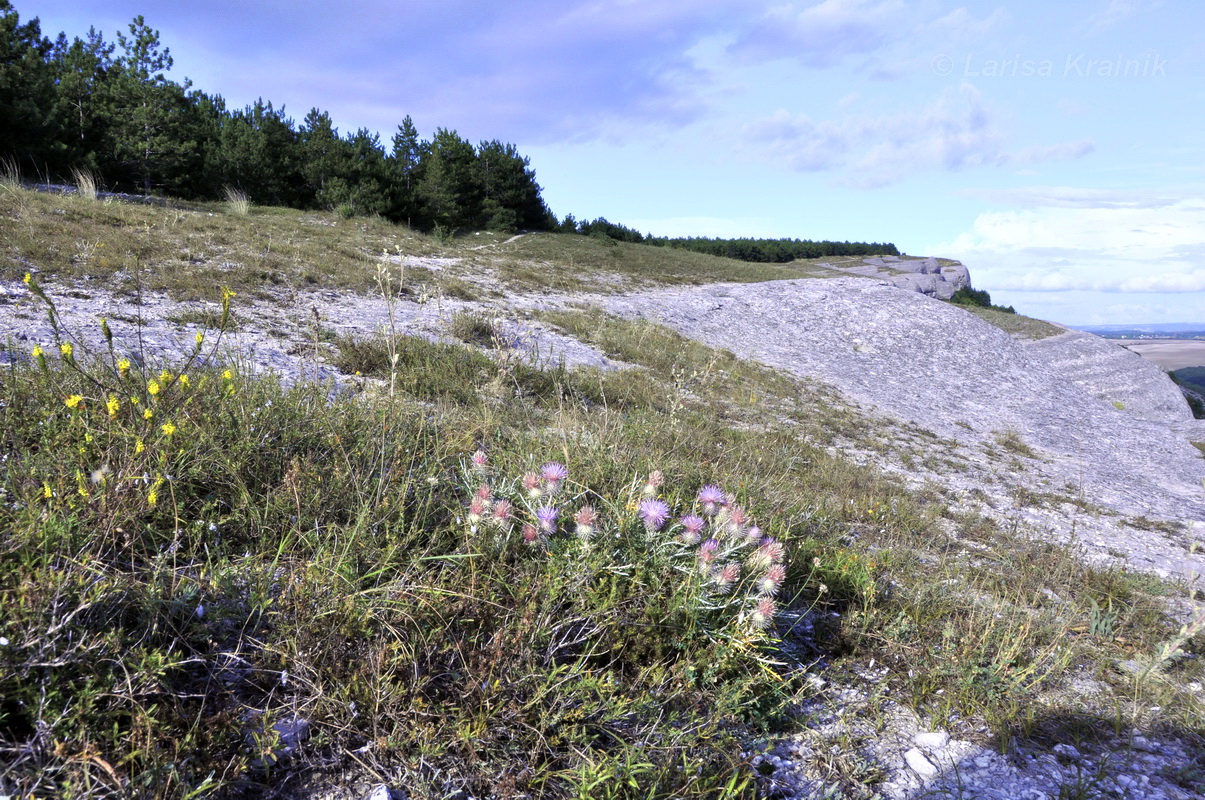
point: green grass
(169, 595)
(1016, 325)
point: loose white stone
(378, 792)
(920, 765)
(934, 740)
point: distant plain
(1171, 354)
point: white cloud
(1090, 255)
(1117, 11)
(1071, 197)
(957, 131)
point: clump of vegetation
(968, 296)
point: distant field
(1171, 354)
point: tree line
(109, 108)
(776, 251)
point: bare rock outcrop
(939, 278)
(1072, 418)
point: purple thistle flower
(753, 535)
(767, 553)
(546, 516)
(552, 474)
(693, 524)
(654, 481)
(708, 550)
(477, 509)
(763, 613)
(531, 535)
(503, 512)
(585, 518)
(654, 513)
(711, 498)
(771, 582)
(727, 575)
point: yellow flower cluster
(113, 405)
(66, 349)
(168, 429)
(123, 366)
(27, 278)
(153, 387)
(37, 351)
(73, 401)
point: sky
(1054, 147)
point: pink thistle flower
(726, 576)
(771, 582)
(712, 499)
(479, 460)
(504, 512)
(531, 485)
(585, 518)
(708, 551)
(763, 613)
(546, 517)
(767, 553)
(693, 524)
(753, 535)
(477, 509)
(484, 491)
(531, 535)
(653, 513)
(654, 481)
(552, 474)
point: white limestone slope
(1110, 431)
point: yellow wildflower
(37, 351)
(113, 405)
(153, 387)
(228, 375)
(165, 377)
(47, 492)
(200, 337)
(139, 446)
(184, 381)
(168, 429)
(87, 440)
(147, 413)
(152, 498)
(73, 401)
(27, 278)
(123, 366)
(83, 492)
(66, 349)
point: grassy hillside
(212, 584)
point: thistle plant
(707, 555)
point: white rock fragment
(919, 764)
(933, 740)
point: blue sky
(1056, 148)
